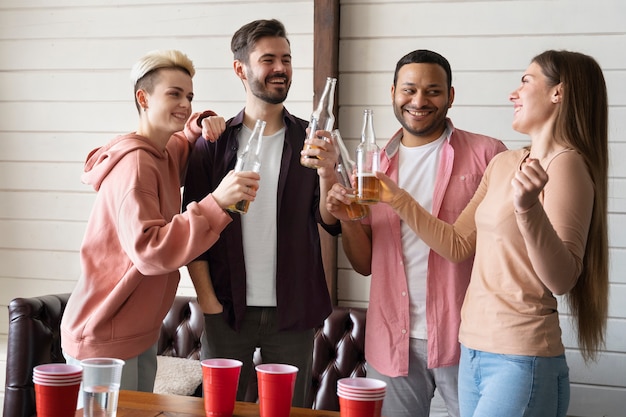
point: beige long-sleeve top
(521, 260)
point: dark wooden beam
(325, 43)
(326, 64)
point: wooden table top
(144, 404)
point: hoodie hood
(101, 160)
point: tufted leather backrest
(181, 332)
(34, 338)
(339, 350)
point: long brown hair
(582, 124)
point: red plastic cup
(349, 407)
(220, 378)
(361, 385)
(58, 370)
(56, 400)
(276, 384)
(50, 381)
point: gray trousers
(259, 329)
(410, 396)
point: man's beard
(258, 90)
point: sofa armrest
(34, 338)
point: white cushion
(179, 376)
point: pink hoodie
(135, 241)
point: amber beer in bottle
(249, 160)
(367, 160)
(322, 118)
(345, 169)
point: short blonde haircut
(143, 72)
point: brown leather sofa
(34, 339)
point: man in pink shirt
(411, 339)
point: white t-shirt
(417, 173)
(259, 223)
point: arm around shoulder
(193, 127)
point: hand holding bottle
(320, 153)
(344, 192)
(236, 187)
(341, 203)
(367, 160)
(322, 118)
(249, 160)
(388, 188)
(337, 199)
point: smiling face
(168, 105)
(421, 100)
(267, 75)
(534, 102)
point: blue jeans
(493, 385)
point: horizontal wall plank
(356, 304)
(34, 176)
(617, 194)
(37, 205)
(596, 401)
(617, 265)
(132, 21)
(617, 307)
(3, 352)
(342, 259)
(617, 226)
(50, 146)
(617, 154)
(4, 326)
(600, 372)
(382, 20)
(41, 235)
(12, 288)
(615, 334)
(25, 264)
(21, 4)
(352, 286)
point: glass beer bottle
(367, 159)
(249, 160)
(323, 118)
(344, 170)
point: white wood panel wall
(64, 89)
(489, 44)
